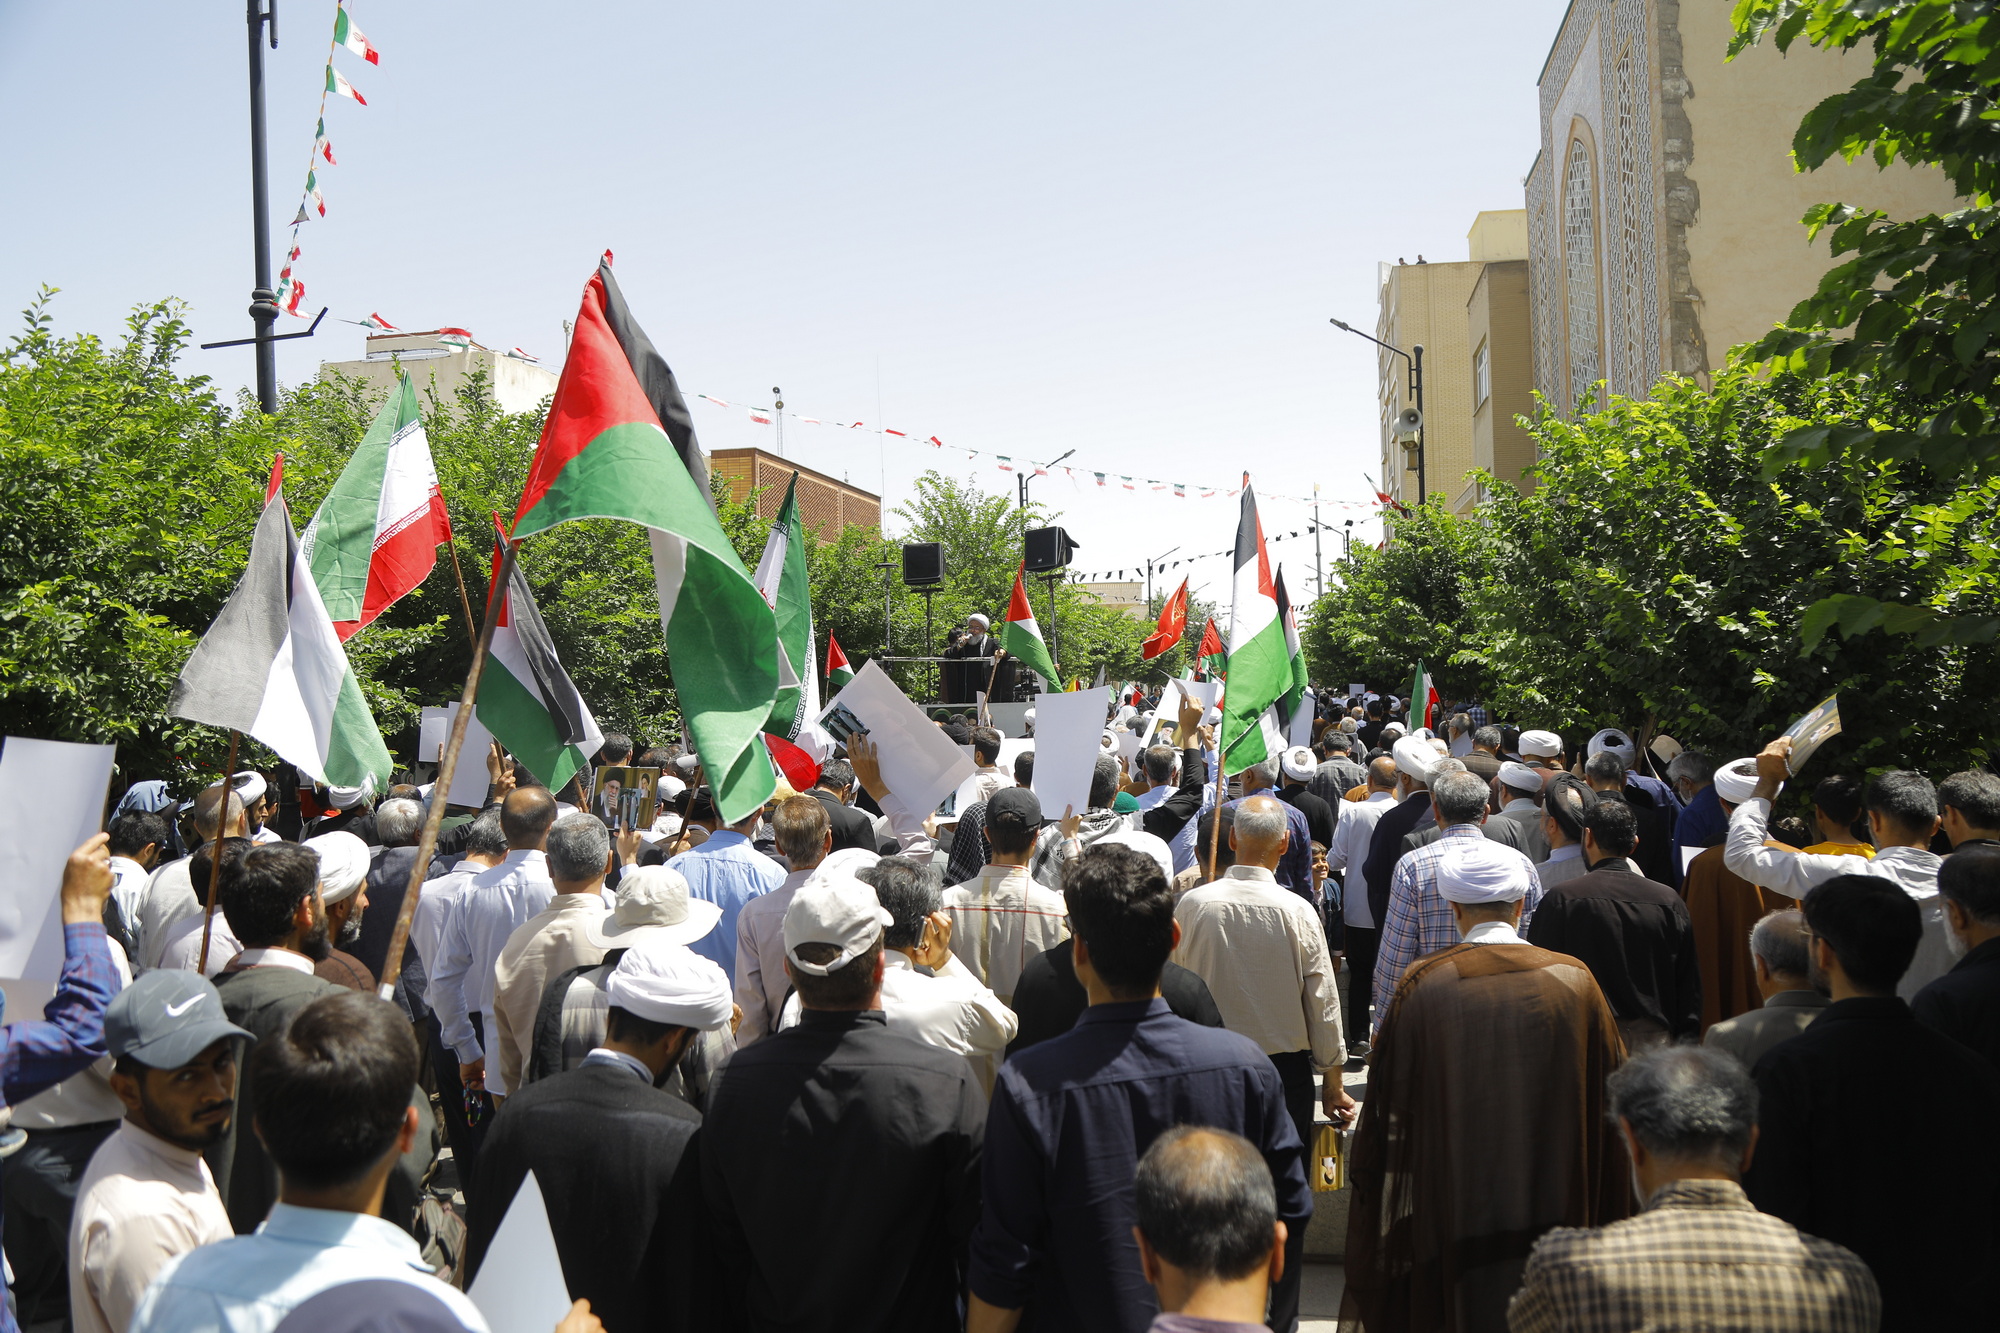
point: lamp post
(1025, 475)
(1149, 575)
(778, 417)
(1347, 542)
(1415, 357)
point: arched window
(1633, 188)
(1586, 362)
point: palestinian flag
(1295, 688)
(1173, 624)
(526, 699)
(376, 534)
(1423, 698)
(272, 667)
(781, 578)
(618, 444)
(1260, 669)
(1021, 637)
(838, 672)
(1208, 654)
(347, 35)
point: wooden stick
(392, 965)
(471, 628)
(1221, 794)
(215, 849)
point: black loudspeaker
(1048, 549)
(923, 564)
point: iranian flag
(376, 534)
(272, 667)
(618, 444)
(1260, 668)
(526, 699)
(1423, 698)
(347, 35)
(781, 578)
(1173, 624)
(838, 672)
(1021, 637)
(379, 324)
(337, 83)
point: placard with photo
(626, 796)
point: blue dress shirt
(727, 871)
(1069, 1120)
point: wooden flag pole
(215, 849)
(471, 626)
(1221, 794)
(392, 965)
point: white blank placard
(520, 1287)
(51, 803)
(1068, 729)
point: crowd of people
(1640, 1043)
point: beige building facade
(1663, 209)
(436, 366)
(1428, 305)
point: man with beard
(343, 892)
(148, 1196)
(271, 897)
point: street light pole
(1416, 382)
(1032, 465)
(778, 417)
(1319, 560)
(1149, 575)
(263, 300)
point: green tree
(1918, 304)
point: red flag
(801, 770)
(277, 482)
(1173, 624)
(1211, 642)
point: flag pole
(471, 626)
(215, 849)
(1221, 794)
(392, 965)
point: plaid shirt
(1699, 1257)
(1419, 919)
(1480, 717)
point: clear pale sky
(1114, 228)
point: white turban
(250, 786)
(1298, 763)
(663, 982)
(1520, 777)
(1541, 744)
(1736, 781)
(981, 620)
(346, 798)
(343, 865)
(1613, 741)
(1146, 844)
(1478, 871)
(1415, 758)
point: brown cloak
(1484, 1125)
(1723, 907)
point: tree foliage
(1918, 303)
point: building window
(1633, 262)
(1482, 377)
(1580, 272)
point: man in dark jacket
(612, 1153)
(1964, 1003)
(1919, 1205)
(399, 824)
(851, 827)
(1633, 933)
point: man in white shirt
(1002, 918)
(551, 942)
(180, 944)
(171, 896)
(485, 847)
(950, 1008)
(986, 778)
(1902, 819)
(487, 912)
(805, 840)
(148, 1196)
(334, 1112)
(1261, 950)
(137, 839)
(1351, 835)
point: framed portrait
(625, 796)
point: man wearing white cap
(1656, 805)
(654, 907)
(1520, 785)
(1414, 760)
(840, 1159)
(257, 805)
(1491, 1051)
(343, 888)
(609, 1149)
(1542, 749)
(1725, 908)
(1296, 768)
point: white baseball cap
(841, 911)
